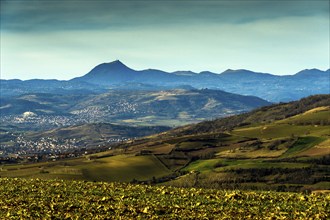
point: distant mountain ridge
(132, 107)
(116, 75)
(117, 67)
(264, 85)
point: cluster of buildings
(95, 113)
(89, 114)
(49, 148)
(17, 146)
(40, 122)
(45, 145)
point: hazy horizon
(54, 78)
(66, 39)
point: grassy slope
(301, 136)
(259, 116)
(224, 164)
(114, 168)
(125, 168)
(303, 144)
(307, 123)
(98, 132)
(321, 149)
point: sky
(63, 39)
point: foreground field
(40, 199)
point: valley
(162, 108)
(112, 125)
(72, 141)
(260, 152)
(191, 109)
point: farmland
(40, 199)
(253, 151)
(123, 168)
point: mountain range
(116, 75)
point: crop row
(55, 199)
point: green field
(224, 164)
(312, 123)
(281, 130)
(122, 168)
(303, 144)
(315, 116)
(39, 199)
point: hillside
(63, 141)
(92, 135)
(282, 147)
(99, 131)
(129, 107)
(262, 115)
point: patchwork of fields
(290, 154)
(123, 168)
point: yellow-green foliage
(281, 130)
(302, 144)
(314, 122)
(111, 168)
(124, 168)
(38, 199)
(314, 116)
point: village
(50, 149)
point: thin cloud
(85, 15)
(68, 38)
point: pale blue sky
(65, 39)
